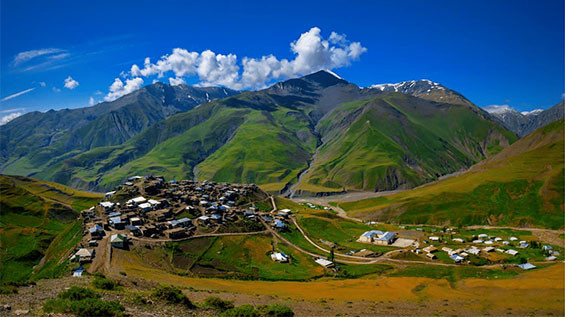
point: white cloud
(55, 89)
(312, 53)
(70, 83)
(176, 81)
(17, 94)
(23, 57)
(7, 118)
(91, 101)
(118, 89)
(563, 95)
(12, 110)
(42, 84)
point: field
(38, 222)
(521, 186)
(457, 290)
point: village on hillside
(150, 209)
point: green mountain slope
(38, 226)
(268, 137)
(523, 185)
(36, 140)
(398, 141)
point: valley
(313, 193)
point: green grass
(394, 133)
(453, 274)
(522, 186)
(38, 221)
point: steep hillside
(268, 137)
(523, 185)
(398, 141)
(39, 226)
(35, 140)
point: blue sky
(69, 54)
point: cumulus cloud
(55, 89)
(118, 89)
(7, 118)
(312, 53)
(17, 94)
(70, 83)
(91, 101)
(42, 84)
(176, 81)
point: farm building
(116, 222)
(325, 263)
(279, 257)
(118, 240)
(96, 232)
(84, 255)
(107, 205)
(145, 207)
(377, 237)
(368, 236)
(175, 233)
(136, 201)
(512, 252)
(527, 266)
(457, 258)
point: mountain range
(317, 134)
(33, 141)
(523, 123)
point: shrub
(96, 307)
(218, 303)
(172, 295)
(275, 311)
(83, 302)
(78, 293)
(242, 311)
(104, 283)
(8, 289)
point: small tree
(332, 254)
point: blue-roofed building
(96, 232)
(114, 214)
(527, 266)
(386, 238)
(279, 224)
(369, 236)
(377, 237)
(116, 222)
(456, 257)
(216, 217)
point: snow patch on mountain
(532, 113)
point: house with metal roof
(118, 240)
(527, 266)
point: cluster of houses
(482, 245)
(378, 237)
(171, 210)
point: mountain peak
(412, 85)
(499, 109)
(324, 78)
